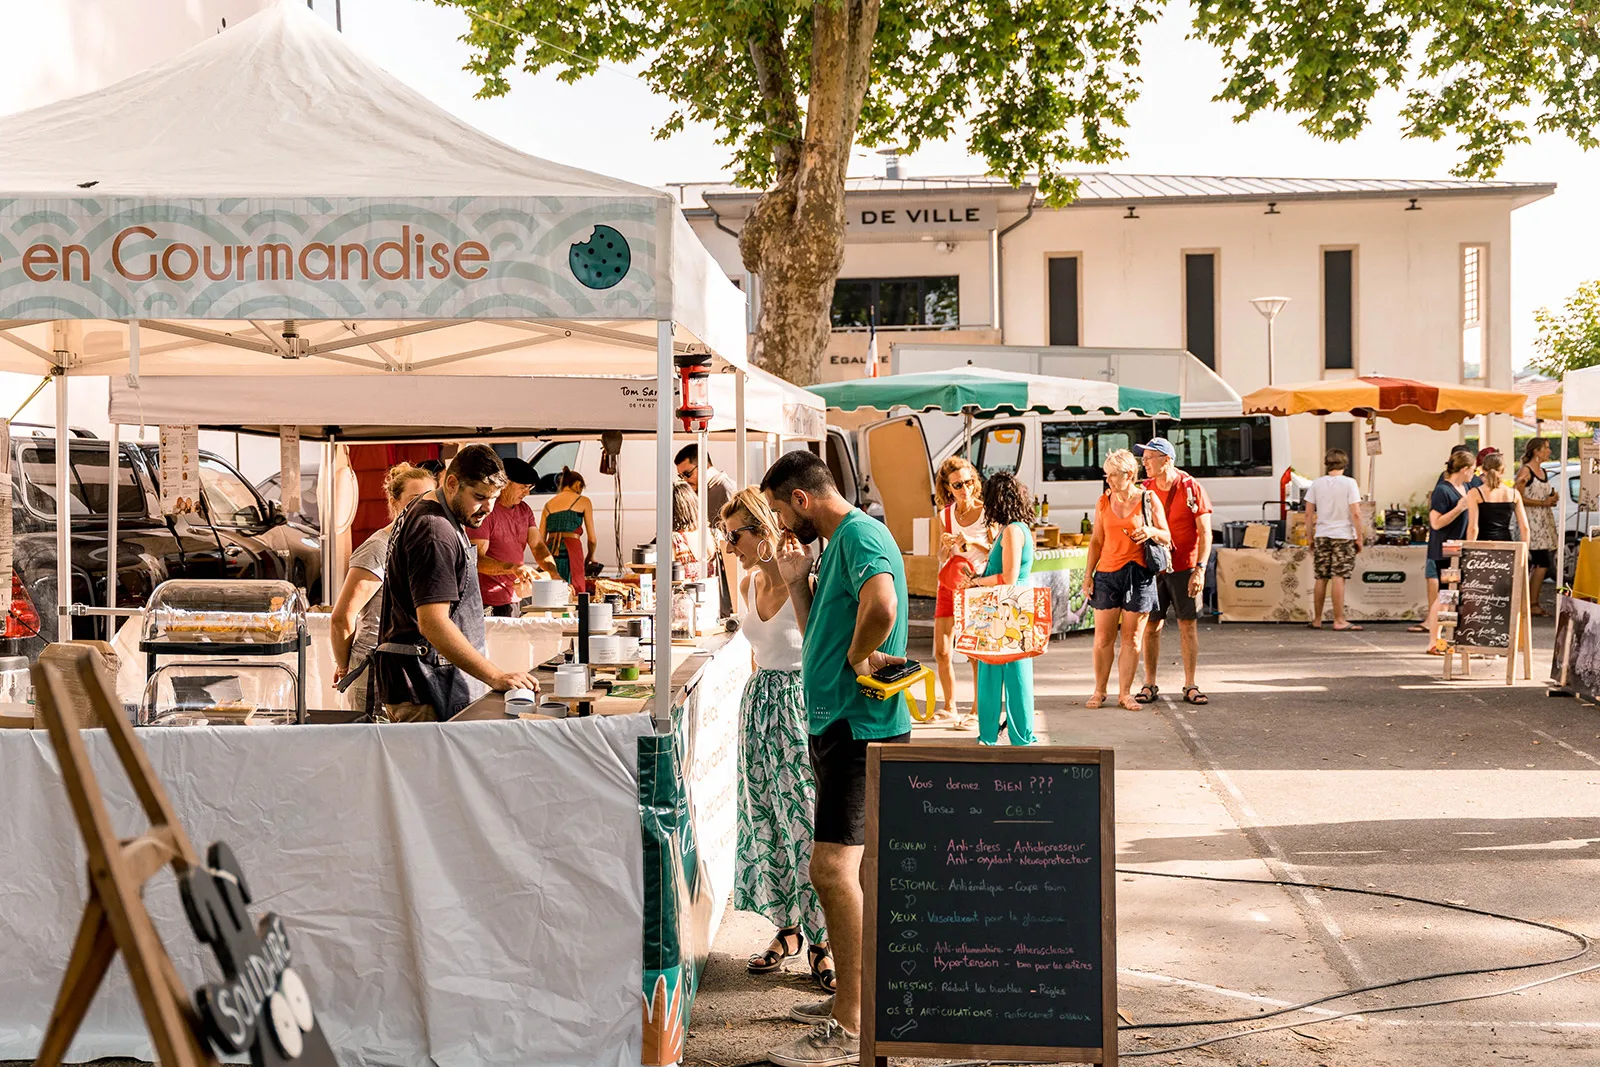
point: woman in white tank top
(776, 789)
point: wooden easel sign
(260, 1007)
(1492, 610)
(990, 923)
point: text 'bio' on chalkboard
(1488, 597)
(990, 917)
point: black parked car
(237, 534)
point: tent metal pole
(741, 434)
(63, 511)
(661, 636)
(329, 520)
(966, 433)
(113, 505)
(1561, 507)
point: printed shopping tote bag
(1000, 623)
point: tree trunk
(794, 239)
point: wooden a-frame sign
(115, 919)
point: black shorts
(1172, 598)
(504, 611)
(839, 763)
(1132, 588)
(1542, 557)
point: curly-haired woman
(964, 542)
(1009, 507)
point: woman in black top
(1494, 509)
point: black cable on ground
(1584, 947)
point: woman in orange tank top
(1118, 585)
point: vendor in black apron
(429, 661)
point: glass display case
(207, 613)
(220, 693)
(227, 618)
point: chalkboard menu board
(990, 924)
(1486, 609)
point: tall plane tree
(1040, 85)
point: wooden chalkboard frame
(1521, 637)
(878, 1053)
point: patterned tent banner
(328, 258)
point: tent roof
(985, 391)
(279, 105)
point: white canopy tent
(1580, 400)
(270, 203)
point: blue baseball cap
(1157, 444)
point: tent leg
(63, 511)
(1372, 466)
(966, 433)
(330, 531)
(741, 433)
(1561, 510)
(700, 458)
(113, 504)
(661, 646)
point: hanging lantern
(694, 391)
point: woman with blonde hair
(1492, 506)
(1117, 582)
(353, 627)
(964, 542)
(776, 788)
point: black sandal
(825, 977)
(1192, 695)
(770, 960)
(1147, 694)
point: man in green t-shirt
(854, 623)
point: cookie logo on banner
(261, 1006)
(603, 260)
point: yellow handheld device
(898, 678)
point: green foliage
(1481, 71)
(1569, 339)
(1042, 83)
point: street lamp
(1269, 306)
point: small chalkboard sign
(1491, 603)
(990, 923)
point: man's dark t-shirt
(430, 562)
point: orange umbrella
(1400, 400)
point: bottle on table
(1045, 511)
(1087, 526)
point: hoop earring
(765, 546)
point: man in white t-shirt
(1333, 519)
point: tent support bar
(491, 350)
(31, 349)
(282, 349)
(1561, 505)
(194, 332)
(661, 632)
(382, 335)
(330, 520)
(583, 330)
(63, 511)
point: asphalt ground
(1323, 758)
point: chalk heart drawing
(903, 1029)
(908, 966)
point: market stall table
(1275, 584)
(1061, 571)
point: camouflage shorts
(1333, 557)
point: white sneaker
(813, 1013)
(829, 1045)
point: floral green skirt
(776, 796)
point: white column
(1561, 506)
(63, 510)
(113, 505)
(664, 475)
(330, 526)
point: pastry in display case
(224, 611)
(220, 693)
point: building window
(1474, 338)
(1200, 306)
(1338, 309)
(1064, 301)
(1340, 435)
(897, 302)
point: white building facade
(1410, 279)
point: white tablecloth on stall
(1275, 585)
(463, 895)
(514, 644)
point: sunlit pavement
(1323, 757)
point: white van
(1237, 458)
(621, 530)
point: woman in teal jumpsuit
(1007, 505)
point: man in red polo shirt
(1189, 519)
